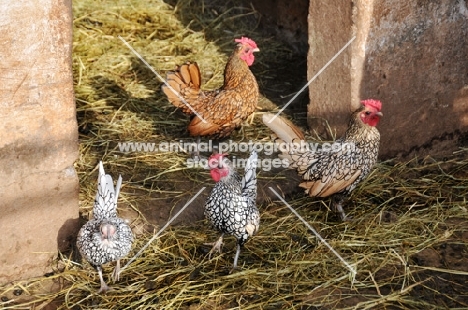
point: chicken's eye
(368, 113)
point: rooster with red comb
(335, 172)
(216, 113)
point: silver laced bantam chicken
(338, 170)
(231, 205)
(105, 238)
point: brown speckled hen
(223, 109)
(231, 205)
(338, 170)
(105, 238)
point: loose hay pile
(408, 243)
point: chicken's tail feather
(283, 128)
(288, 137)
(105, 204)
(249, 181)
(184, 85)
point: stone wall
(39, 143)
(411, 55)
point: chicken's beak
(256, 50)
(220, 164)
(105, 232)
(379, 114)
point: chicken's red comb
(218, 155)
(245, 40)
(373, 103)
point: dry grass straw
(401, 210)
(284, 267)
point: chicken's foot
(216, 246)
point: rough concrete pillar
(411, 55)
(330, 28)
(38, 145)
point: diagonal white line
(315, 232)
(313, 78)
(162, 79)
(162, 229)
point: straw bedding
(407, 243)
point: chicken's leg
(236, 257)
(116, 273)
(104, 287)
(341, 213)
(337, 206)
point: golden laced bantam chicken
(338, 170)
(223, 109)
(105, 238)
(231, 205)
